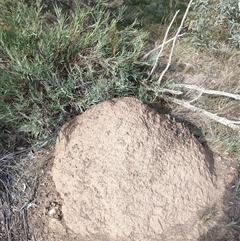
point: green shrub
(216, 22)
(55, 65)
(152, 12)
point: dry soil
(123, 172)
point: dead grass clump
(19, 176)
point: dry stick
(236, 53)
(173, 92)
(162, 90)
(25, 226)
(163, 44)
(221, 120)
(211, 92)
(7, 226)
(160, 46)
(195, 99)
(174, 43)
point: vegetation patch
(56, 65)
(216, 22)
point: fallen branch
(211, 92)
(229, 123)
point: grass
(56, 63)
(209, 59)
(237, 186)
(235, 224)
(52, 68)
(67, 61)
(214, 69)
(19, 177)
(208, 215)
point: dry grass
(208, 215)
(215, 70)
(211, 69)
(20, 176)
(20, 172)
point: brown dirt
(123, 172)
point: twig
(173, 92)
(162, 90)
(236, 53)
(195, 99)
(232, 124)
(7, 226)
(25, 225)
(174, 42)
(160, 46)
(211, 92)
(163, 44)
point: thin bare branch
(162, 90)
(163, 44)
(173, 92)
(211, 92)
(174, 42)
(160, 46)
(195, 99)
(232, 124)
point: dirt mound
(126, 173)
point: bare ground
(47, 222)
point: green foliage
(235, 224)
(55, 65)
(237, 185)
(148, 11)
(208, 215)
(216, 22)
